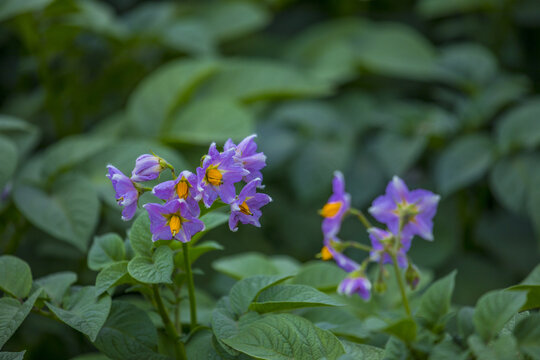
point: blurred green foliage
(441, 93)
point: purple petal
(166, 190)
(227, 192)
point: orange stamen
(214, 176)
(182, 189)
(325, 253)
(330, 209)
(175, 224)
(244, 208)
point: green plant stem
(360, 215)
(401, 285)
(191, 287)
(356, 245)
(169, 326)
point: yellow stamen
(182, 189)
(245, 208)
(175, 224)
(330, 209)
(325, 253)
(214, 176)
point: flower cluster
(405, 213)
(177, 216)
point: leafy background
(443, 94)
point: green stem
(191, 287)
(169, 327)
(363, 219)
(357, 245)
(401, 285)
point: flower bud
(148, 167)
(412, 276)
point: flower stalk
(179, 348)
(191, 287)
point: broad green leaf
(435, 302)
(71, 151)
(286, 297)
(153, 270)
(527, 333)
(397, 153)
(12, 355)
(69, 212)
(286, 336)
(519, 128)
(404, 329)
(56, 285)
(494, 309)
(464, 162)
(466, 65)
(320, 275)
(11, 8)
(227, 20)
(224, 324)
(252, 80)
(97, 17)
(438, 8)
(140, 236)
(84, 311)
(9, 160)
(200, 347)
(213, 220)
(361, 351)
(393, 49)
(531, 284)
(249, 264)
(158, 95)
(246, 290)
(128, 334)
(23, 134)
(396, 349)
(106, 250)
(465, 324)
(511, 179)
(503, 348)
(447, 350)
(16, 276)
(113, 275)
(13, 313)
(210, 119)
(195, 252)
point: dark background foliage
(441, 93)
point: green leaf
(404, 329)
(511, 180)
(494, 309)
(253, 80)
(9, 160)
(396, 349)
(113, 275)
(200, 347)
(158, 95)
(84, 311)
(320, 275)
(437, 8)
(531, 284)
(435, 302)
(69, 212)
(447, 350)
(91, 356)
(210, 119)
(465, 322)
(464, 162)
(12, 314)
(397, 153)
(519, 128)
(286, 336)
(12, 355)
(246, 290)
(233, 19)
(195, 252)
(71, 151)
(527, 333)
(56, 285)
(128, 334)
(23, 134)
(503, 348)
(155, 270)
(140, 236)
(106, 250)
(249, 264)
(11, 8)
(393, 49)
(16, 276)
(361, 351)
(286, 297)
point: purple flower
(217, 176)
(338, 204)
(382, 240)
(173, 220)
(329, 252)
(148, 167)
(246, 154)
(246, 207)
(126, 193)
(184, 187)
(356, 284)
(412, 210)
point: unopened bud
(412, 276)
